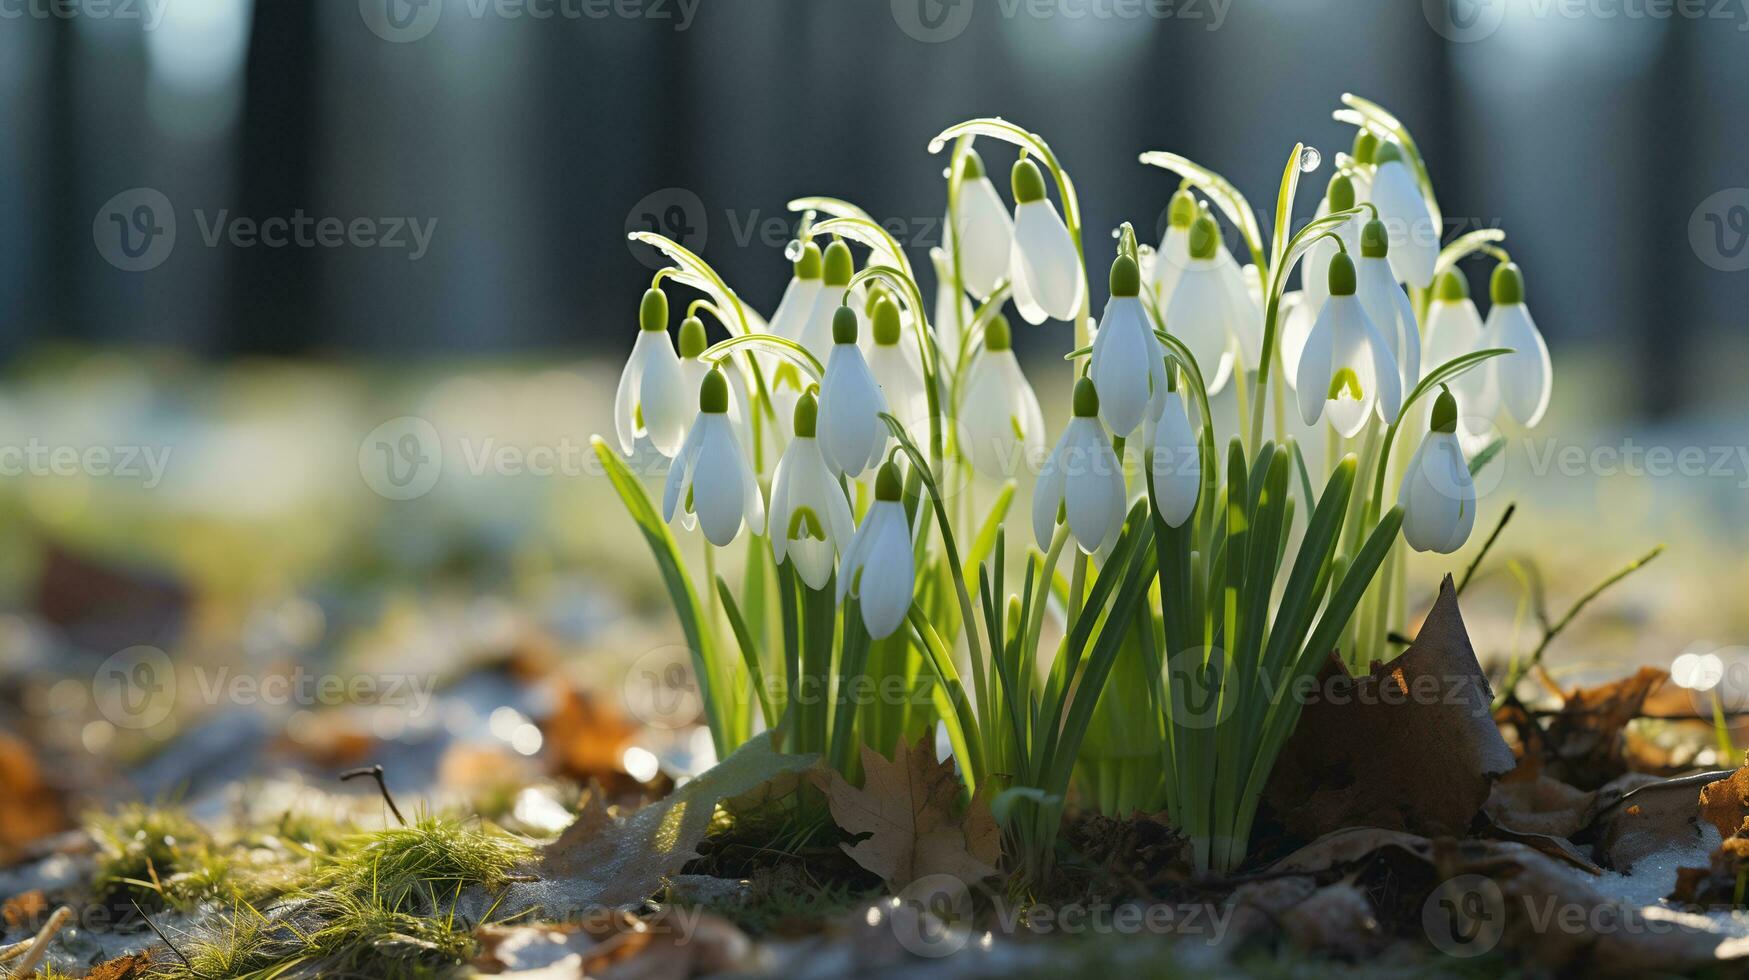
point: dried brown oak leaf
(1725, 803)
(1585, 739)
(604, 861)
(908, 808)
(1411, 746)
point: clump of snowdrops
(858, 454)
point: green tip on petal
(713, 393)
(1205, 237)
(810, 265)
(1388, 152)
(1366, 147)
(1126, 277)
(804, 525)
(886, 322)
(1507, 286)
(887, 483)
(1444, 411)
(1340, 193)
(839, 266)
(997, 335)
(1344, 384)
(807, 415)
(653, 311)
(1375, 242)
(971, 165)
(1182, 211)
(874, 293)
(692, 339)
(1342, 280)
(1028, 182)
(1452, 287)
(844, 326)
(1086, 399)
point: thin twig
(161, 935)
(376, 773)
(39, 947)
(1631, 567)
(1511, 509)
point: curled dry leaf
(1584, 742)
(1411, 746)
(604, 945)
(604, 861)
(908, 808)
(29, 807)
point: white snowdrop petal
(816, 331)
(1414, 239)
(1092, 485)
(850, 429)
(1243, 321)
(1170, 261)
(1296, 323)
(1176, 461)
(1455, 329)
(625, 398)
(718, 490)
(1047, 496)
(1316, 364)
(888, 579)
(1387, 381)
(1046, 253)
(1525, 376)
(1123, 354)
(1198, 316)
(680, 471)
(667, 404)
(986, 234)
(780, 508)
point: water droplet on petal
(946, 173)
(1117, 233)
(1310, 159)
(793, 251)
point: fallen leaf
(907, 807)
(108, 607)
(1585, 739)
(587, 737)
(1543, 805)
(1638, 816)
(1410, 746)
(674, 945)
(133, 966)
(1725, 803)
(604, 861)
(29, 807)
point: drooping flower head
(1346, 368)
(1339, 195)
(1454, 328)
(1386, 304)
(1414, 236)
(693, 369)
(877, 567)
(810, 518)
(1526, 375)
(1003, 426)
(1438, 496)
(1174, 252)
(1127, 365)
(1082, 481)
(837, 266)
(806, 280)
(851, 432)
(711, 474)
(1202, 312)
(896, 369)
(1044, 264)
(1174, 459)
(651, 399)
(984, 231)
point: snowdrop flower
(1082, 481)
(896, 369)
(693, 369)
(1438, 497)
(984, 231)
(797, 304)
(1525, 375)
(1127, 366)
(1386, 305)
(1315, 267)
(852, 434)
(948, 321)
(711, 474)
(810, 519)
(1202, 313)
(1044, 263)
(877, 566)
(1247, 312)
(1174, 252)
(1414, 238)
(1346, 367)
(651, 399)
(1003, 426)
(837, 266)
(1297, 316)
(1175, 459)
(1454, 328)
